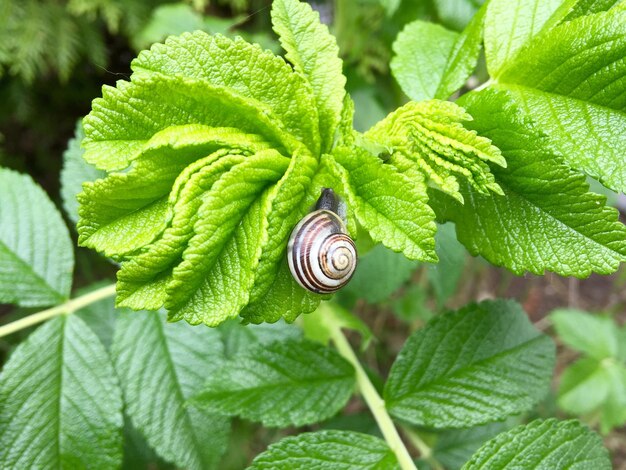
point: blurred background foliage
(55, 55)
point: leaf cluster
(215, 149)
(594, 386)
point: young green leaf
(396, 215)
(543, 445)
(428, 138)
(75, 172)
(510, 25)
(160, 367)
(585, 386)
(287, 383)
(433, 62)
(314, 53)
(36, 255)
(547, 219)
(60, 403)
(591, 334)
(569, 79)
(476, 365)
(329, 316)
(327, 450)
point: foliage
(595, 385)
(192, 174)
(35, 248)
(159, 219)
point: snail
(322, 257)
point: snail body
(321, 255)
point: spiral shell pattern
(322, 257)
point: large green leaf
(543, 445)
(547, 219)
(314, 53)
(36, 255)
(327, 450)
(570, 80)
(479, 364)
(284, 383)
(433, 62)
(60, 402)
(160, 367)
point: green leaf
(327, 450)
(445, 275)
(597, 389)
(456, 14)
(510, 25)
(238, 337)
(421, 55)
(476, 365)
(379, 274)
(570, 80)
(329, 316)
(428, 138)
(543, 445)
(455, 447)
(36, 255)
(547, 219)
(572, 9)
(396, 215)
(314, 54)
(584, 386)
(177, 18)
(287, 383)
(75, 172)
(613, 413)
(160, 367)
(433, 62)
(201, 288)
(60, 403)
(101, 316)
(591, 334)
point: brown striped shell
(321, 256)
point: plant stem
(373, 401)
(426, 452)
(68, 307)
(491, 81)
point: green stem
(489, 82)
(68, 307)
(426, 452)
(373, 401)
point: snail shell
(321, 255)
